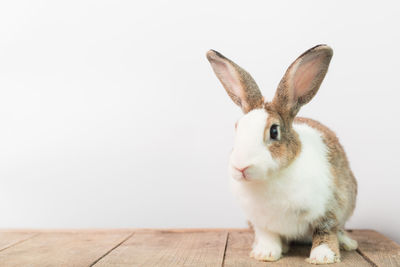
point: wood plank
(239, 246)
(377, 248)
(61, 249)
(165, 248)
(238, 249)
(9, 239)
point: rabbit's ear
(239, 85)
(302, 80)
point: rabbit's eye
(274, 132)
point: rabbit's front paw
(266, 252)
(322, 255)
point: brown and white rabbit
(291, 175)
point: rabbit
(289, 174)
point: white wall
(110, 115)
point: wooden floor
(201, 247)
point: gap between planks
(366, 258)
(108, 252)
(17, 240)
(226, 245)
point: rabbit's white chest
(289, 201)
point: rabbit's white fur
(284, 201)
(249, 148)
(322, 253)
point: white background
(110, 115)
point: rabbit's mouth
(238, 173)
(242, 173)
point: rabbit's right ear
(237, 82)
(302, 80)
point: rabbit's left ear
(302, 80)
(237, 82)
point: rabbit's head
(265, 140)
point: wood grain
(239, 245)
(9, 239)
(377, 248)
(61, 249)
(165, 248)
